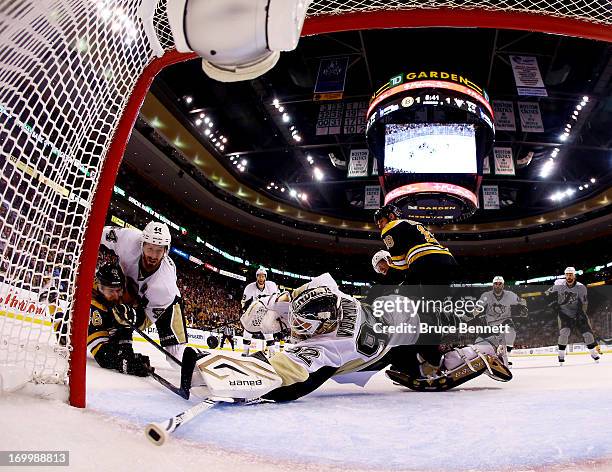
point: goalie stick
(190, 356)
(158, 433)
(230, 379)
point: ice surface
(548, 417)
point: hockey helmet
(387, 210)
(380, 256)
(110, 275)
(157, 233)
(314, 311)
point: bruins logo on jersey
(96, 318)
(388, 240)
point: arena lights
(549, 165)
(586, 185)
(272, 186)
(559, 196)
(310, 159)
(292, 193)
(547, 168)
(240, 164)
(286, 118)
(275, 186)
(574, 116)
(318, 174)
(188, 100)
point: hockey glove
(128, 316)
(518, 310)
(132, 363)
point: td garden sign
(431, 75)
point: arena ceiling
(255, 132)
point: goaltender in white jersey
(151, 278)
(333, 334)
(251, 322)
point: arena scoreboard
(430, 132)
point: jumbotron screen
(417, 148)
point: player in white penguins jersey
(252, 324)
(151, 278)
(498, 307)
(335, 334)
(570, 302)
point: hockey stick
(190, 357)
(158, 433)
(150, 340)
(177, 390)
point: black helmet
(110, 275)
(387, 210)
(314, 311)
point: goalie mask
(314, 311)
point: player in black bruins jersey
(109, 337)
(414, 249)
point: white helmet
(379, 256)
(156, 233)
(570, 270)
(260, 271)
(498, 278)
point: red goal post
(73, 75)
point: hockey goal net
(73, 74)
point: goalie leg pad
(458, 366)
(439, 383)
(231, 376)
(495, 367)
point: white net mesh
(592, 11)
(67, 70)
